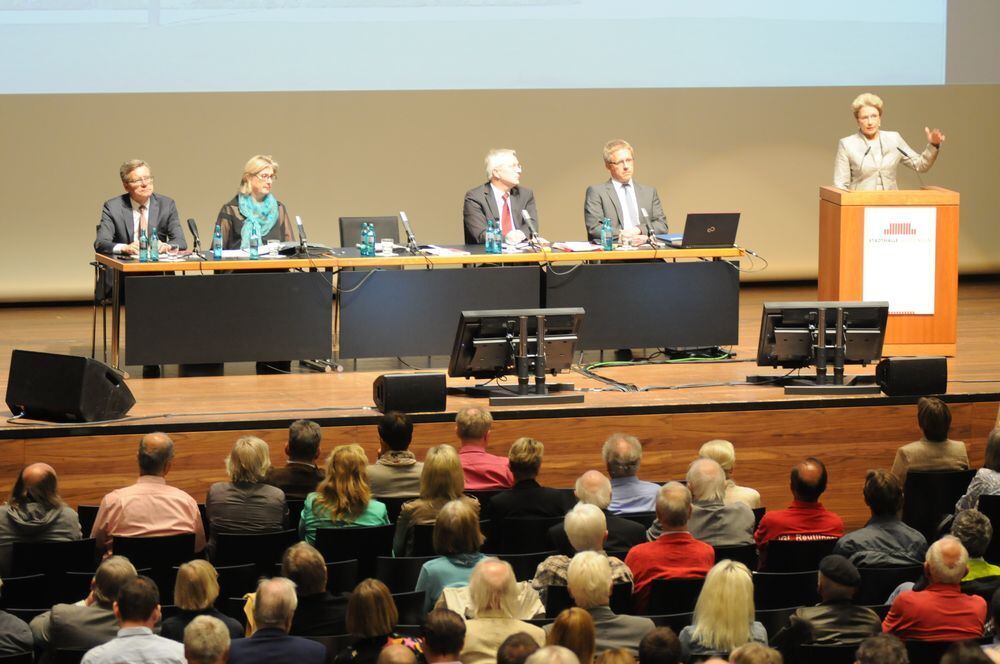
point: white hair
(594, 488)
(589, 579)
(707, 480)
(553, 655)
(622, 455)
(492, 587)
(496, 158)
(206, 640)
(947, 566)
(586, 527)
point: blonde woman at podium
(867, 160)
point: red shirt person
(806, 518)
(483, 471)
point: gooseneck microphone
(411, 240)
(650, 234)
(193, 227)
(531, 225)
(303, 251)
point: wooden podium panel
(841, 263)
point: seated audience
(483, 471)
(206, 641)
(441, 481)
(885, 541)
(622, 456)
(882, 649)
(245, 504)
(35, 512)
(274, 607)
(444, 636)
(300, 476)
(493, 591)
(724, 453)
(590, 581)
(396, 654)
(138, 612)
(660, 646)
(457, 540)
(593, 488)
(966, 652)
(553, 655)
(755, 653)
(587, 531)
(343, 498)
(935, 451)
(805, 518)
(516, 648)
(87, 624)
(974, 530)
(372, 617)
(396, 472)
(150, 507)
(15, 635)
(723, 616)
(940, 612)
(574, 629)
(987, 479)
(712, 520)
(318, 612)
(195, 592)
(675, 553)
(836, 620)
(527, 498)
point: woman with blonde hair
(723, 616)
(724, 453)
(343, 498)
(195, 592)
(372, 617)
(255, 208)
(574, 629)
(441, 481)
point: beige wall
(761, 151)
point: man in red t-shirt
(805, 518)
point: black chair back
(53, 557)
(410, 607)
(484, 497)
(645, 519)
(927, 652)
(334, 644)
(423, 539)
(774, 619)
(236, 581)
(362, 543)
(260, 549)
(294, 512)
(18, 658)
(817, 654)
(743, 553)
(400, 574)
(795, 556)
(930, 495)
(675, 621)
(990, 506)
(26, 592)
(394, 505)
(523, 535)
(758, 514)
(668, 596)
(156, 553)
(778, 590)
(350, 230)
(877, 583)
(233, 607)
(525, 564)
(87, 515)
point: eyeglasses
(146, 180)
(265, 177)
(627, 160)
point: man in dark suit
(526, 499)
(273, 611)
(501, 199)
(319, 612)
(300, 476)
(124, 217)
(628, 204)
(594, 488)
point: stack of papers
(575, 246)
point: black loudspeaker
(912, 376)
(65, 388)
(410, 392)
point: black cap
(840, 570)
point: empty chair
(386, 227)
(930, 495)
(527, 535)
(261, 549)
(400, 574)
(817, 654)
(743, 553)
(777, 590)
(362, 543)
(525, 564)
(668, 596)
(795, 556)
(877, 583)
(49, 557)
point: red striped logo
(899, 228)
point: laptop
(706, 230)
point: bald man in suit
(622, 200)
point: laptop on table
(706, 230)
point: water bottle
(143, 247)
(607, 237)
(154, 246)
(369, 239)
(491, 237)
(217, 243)
(254, 244)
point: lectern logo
(899, 228)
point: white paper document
(899, 254)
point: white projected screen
(59, 46)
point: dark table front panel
(240, 317)
(388, 313)
(650, 305)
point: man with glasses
(125, 217)
(622, 200)
(501, 199)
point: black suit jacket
(271, 645)
(117, 219)
(528, 499)
(623, 534)
(480, 205)
(297, 480)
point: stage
(672, 407)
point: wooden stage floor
(674, 409)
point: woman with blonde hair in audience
(441, 481)
(724, 453)
(344, 497)
(723, 616)
(195, 592)
(372, 617)
(457, 540)
(574, 629)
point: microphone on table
(533, 232)
(411, 240)
(302, 236)
(193, 227)
(653, 242)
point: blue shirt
(438, 574)
(630, 495)
(136, 645)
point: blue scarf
(261, 216)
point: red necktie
(506, 225)
(143, 223)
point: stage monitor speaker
(912, 376)
(410, 392)
(65, 388)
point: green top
(375, 514)
(979, 568)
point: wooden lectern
(841, 263)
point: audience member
(573, 628)
(553, 655)
(15, 635)
(35, 512)
(723, 616)
(527, 498)
(274, 607)
(195, 592)
(935, 451)
(724, 453)
(593, 488)
(441, 481)
(966, 652)
(493, 593)
(300, 476)
(755, 653)
(206, 641)
(396, 654)
(660, 646)
(974, 530)
(343, 498)
(444, 636)
(483, 471)
(396, 472)
(587, 531)
(622, 456)
(516, 648)
(940, 612)
(712, 520)
(885, 541)
(150, 507)
(78, 626)
(805, 518)
(590, 582)
(675, 553)
(245, 504)
(372, 617)
(616, 656)
(138, 611)
(987, 479)
(318, 612)
(457, 540)
(882, 649)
